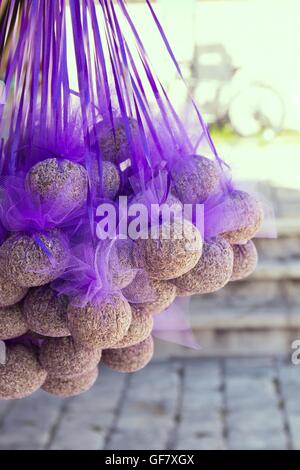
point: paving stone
(205, 374)
(4, 407)
(290, 385)
(147, 416)
(201, 416)
(289, 374)
(195, 403)
(201, 425)
(261, 417)
(201, 442)
(250, 392)
(135, 439)
(29, 423)
(205, 420)
(263, 440)
(294, 424)
(87, 418)
(254, 415)
(250, 366)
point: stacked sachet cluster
(56, 341)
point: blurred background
(239, 58)
(240, 389)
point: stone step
(252, 294)
(245, 318)
(287, 243)
(238, 332)
(280, 248)
(261, 318)
(266, 304)
(276, 270)
(288, 226)
(217, 318)
(230, 343)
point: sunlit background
(240, 58)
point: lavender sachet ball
(100, 325)
(22, 374)
(153, 297)
(59, 180)
(212, 272)
(46, 312)
(12, 322)
(130, 359)
(244, 261)
(244, 215)
(121, 264)
(110, 180)
(113, 141)
(10, 293)
(34, 260)
(174, 253)
(107, 181)
(70, 387)
(195, 178)
(62, 357)
(140, 328)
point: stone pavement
(233, 403)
